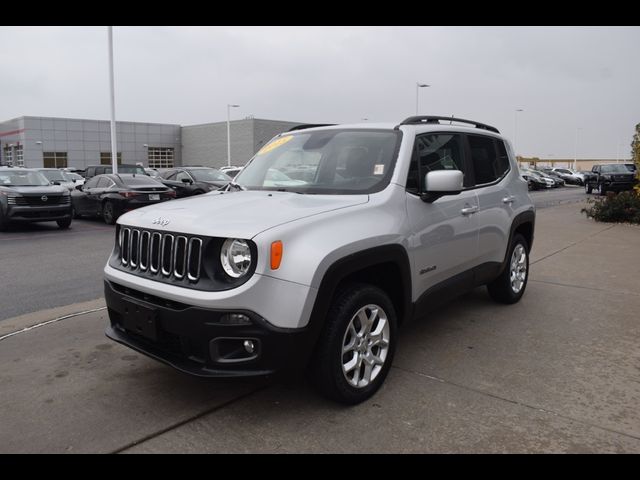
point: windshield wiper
(236, 186)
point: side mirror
(79, 187)
(55, 182)
(441, 183)
(186, 180)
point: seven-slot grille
(37, 200)
(163, 254)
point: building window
(54, 159)
(8, 155)
(160, 157)
(19, 156)
(105, 158)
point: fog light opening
(249, 346)
(235, 319)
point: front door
(444, 242)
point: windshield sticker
(378, 169)
(275, 144)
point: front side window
(181, 176)
(434, 151)
(336, 161)
(92, 183)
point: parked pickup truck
(614, 177)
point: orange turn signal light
(276, 254)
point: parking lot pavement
(557, 372)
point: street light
(114, 144)
(229, 107)
(575, 157)
(418, 87)
(515, 129)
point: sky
(570, 82)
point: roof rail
(435, 119)
(310, 125)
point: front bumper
(46, 213)
(193, 340)
(619, 186)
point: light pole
(418, 87)
(114, 143)
(575, 156)
(515, 129)
(229, 107)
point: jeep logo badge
(44, 198)
(161, 221)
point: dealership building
(65, 142)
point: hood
(44, 190)
(241, 214)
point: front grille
(39, 200)
(163, 255)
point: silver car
(375, 226)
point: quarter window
(436, 151)
(489, 164)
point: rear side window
(435, 151)
(489, 158)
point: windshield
(327, 161)
(126, 169)
(614, 169)
(22, 178)
(53, 175)
(209, 175)
(71, 176)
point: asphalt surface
(44, 267)
(556, 372)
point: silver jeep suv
(329, 240)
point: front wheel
(4, 223)
(510, 285)
(64, 224)
(587, 187)
(602, 189)
(356, 347)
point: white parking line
(42, 324)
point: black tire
(4, 223)
(602, 190)
(501, 289)
(64, 224)
(587, 187)
(326, 365)
(74, 213)
(198, 192)
(109, 214)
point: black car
(187, 181)
(613, 177)
(109, 196)
(27, 196)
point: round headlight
(235, 257)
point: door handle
(509, 199)
(469, 210)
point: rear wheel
(512, 282)
(356, 347)
(109, 213)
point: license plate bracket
(140, 319)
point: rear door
(497, 202)
(82, 200)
